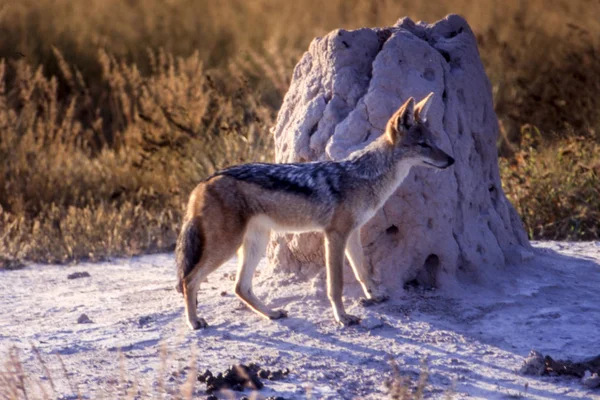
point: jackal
(236, 208)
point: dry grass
(402, 387)
(71, 192)
(555, 186)
(111, 111)
(53, 380)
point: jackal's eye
(424, 145)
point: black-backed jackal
(236, 208)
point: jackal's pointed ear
(401, 121)
(422, 108)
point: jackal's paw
(278, 314)
(198, 323)
(374, 300)
(347, 320)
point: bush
(555, 187)
(111, 111)
(64, 197)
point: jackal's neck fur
(383, 167)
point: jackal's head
(409, 133)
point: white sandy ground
(473, 341)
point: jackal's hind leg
(355, 253)
(191, 283)
(253, 248)
(190, 295)
(334, 254)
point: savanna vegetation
(111, 110)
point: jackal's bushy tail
(189, 249)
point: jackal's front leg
(334, 253)
(355, 253)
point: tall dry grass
(70, 192)
(538, 53)
(555, 186)
(111, 111)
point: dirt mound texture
(438, 225)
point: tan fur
(235, 215)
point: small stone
(371, 322)
(590, 380)
(237, 387)
(236, 377)
(276, 375)
(77, 275)
(145, 320)
(254, 367)
(204, 375)
(84, 319)
(223, 293)
(533, 365)
(10, 264)
(264, 373)
(68, 397)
